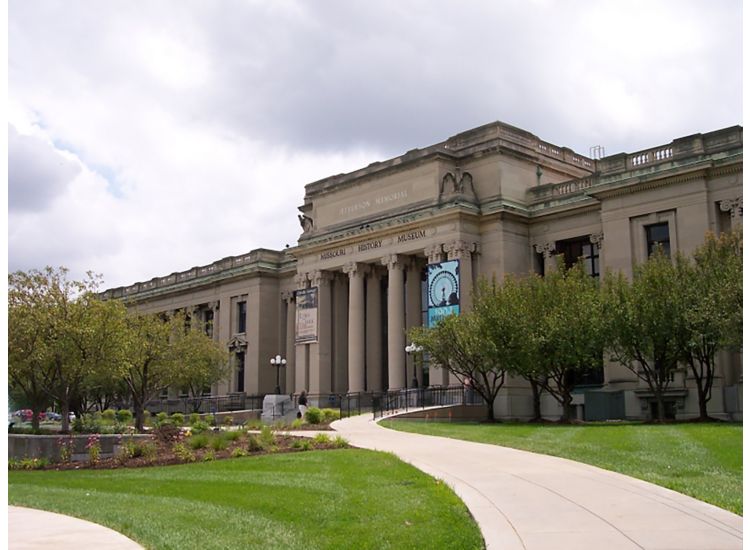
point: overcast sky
(149, 137)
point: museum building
(401, 242)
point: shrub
(238, 452)
(302, 444)
(87, 424)
(218, 443)
(183, 453)
(209, 455)
(340, 443)
(198, 441)
(178, 418)
(329, 415)
(94, 448)
(161, 418)
(124, 416)
(321, 440)
(313, 415)
(267, 439)
(148, 450)
(194, 418)
(109, 415)
(65, 447)
(231, 435)
(227, 421)
(27, 463)
(297, 423)
(253, 445)
(210, 419)
(167, 433)
(200, 427)
(146, 417)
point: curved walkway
(523, 500)
(30, 529)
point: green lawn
(700, 460)
(346, 498)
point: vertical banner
(307, 316)
(443, 281)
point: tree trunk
(35, 419)
(536, 392)
(490, 410)
(64, 417)
(567, 399)
(703, 406)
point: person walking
(302, 403)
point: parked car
(54, 416)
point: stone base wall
(48, 446)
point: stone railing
(551, 191)
(199, 272)
(651, 156)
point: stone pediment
(237, 343)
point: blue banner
(443, 293)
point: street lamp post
(413, 349)
(278, 362)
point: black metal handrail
(206, 404)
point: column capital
(320, 278)
(459, 250)
(287, 296)
(300, 280)
(393, 261)
(596, 238)
(354, 269)
(734, 206)
(548, 248)
(214, 305)
(434, 253)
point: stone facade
(496, 198)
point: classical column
(413, 308)
(734, 207)
(320, 352)
(461, 251)
(289, 348)
(373, 325)
(548, 250)
(301, 351)
(340, 380)
(396, 340)
(356, 332)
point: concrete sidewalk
(528, 501)
(30, 529)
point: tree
(711, 289)
(61, 333)
(202, 362)
(566, 330)
(644, 317)
(148, 362)
(482, 345)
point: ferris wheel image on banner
(443, 293)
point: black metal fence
(384, 403)
(206, 404)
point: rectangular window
(240, 372)
(580, 249)
(657, 235)
(241, 316)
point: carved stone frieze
(434, 253)
(596, 238)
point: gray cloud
(37, 172)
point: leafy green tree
(61, 333)
(148, 361)
(483, 345)
(644, 318)
(711, 289)
(565, 320)
(201, 360)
